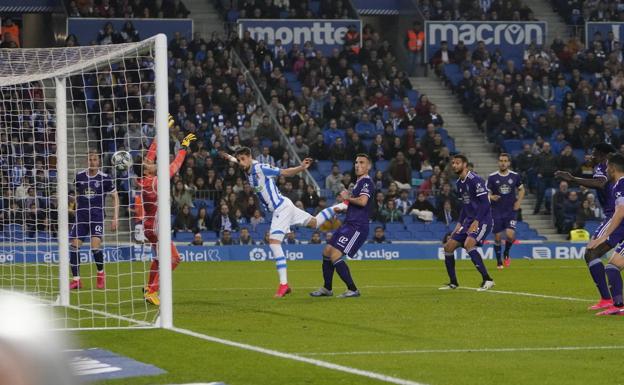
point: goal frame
(165, 319)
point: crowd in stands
(28, 206)
(330, 107)
(491, 10)
(548, 112)
(233, 10)
(128, 9)
(577, 12)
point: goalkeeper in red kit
(146, 172)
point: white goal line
(476, 350)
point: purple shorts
(349, 238)
(82, 230)
(615, 238)
(482, 232)
(505, 222)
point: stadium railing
(265, 106)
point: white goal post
(56, 106)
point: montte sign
(508, 36)
(323, 34)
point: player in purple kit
(503, 185)
(348, 239)
(600, 182)
(474, 223)
(613, 234)
(92, 186)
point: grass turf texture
(400, 309)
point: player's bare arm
(615, 222)
(361, 200)
(305, 164)
(596, 183)
(228, 157)
(520, 198)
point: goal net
(63, 113)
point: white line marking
(307, 287)
(478, 350)
(295, 357)
(520, 293)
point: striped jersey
(262, 179)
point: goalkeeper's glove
(171, 122)
(186, 142)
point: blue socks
(508, 245)
(475, 256)
(74, 261)
(497, 251)
(597, 271)
(328, 273)
(343, 272)
(449, 261)
(98, 257)
(615, 284)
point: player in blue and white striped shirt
(285, 213)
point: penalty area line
(524, 294)
(477, 350)
(299, 358)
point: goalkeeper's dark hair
(616, 160)
(604, 149)
(243, 151)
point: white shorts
(285, 216)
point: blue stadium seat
(394, 227)
(210, 236)
(426, 174)
(512, 146)
(345, 165)
(403, 235)
(324, 167)
(184, 236)
(580, 155)
(382, 165)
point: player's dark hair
(243, 151)
(616, 160)
(604, 148)
(363, 155)
(461, 157)
(506, 155)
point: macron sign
(510, 37)
(323, 34)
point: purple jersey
(91, 195)
(604, 194)
(474, 197)
(505, 186)
(358, 215)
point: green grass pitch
(402, 326)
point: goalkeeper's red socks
(154, 283)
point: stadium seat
(345, 166)
(382, 165)
(394, 227)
